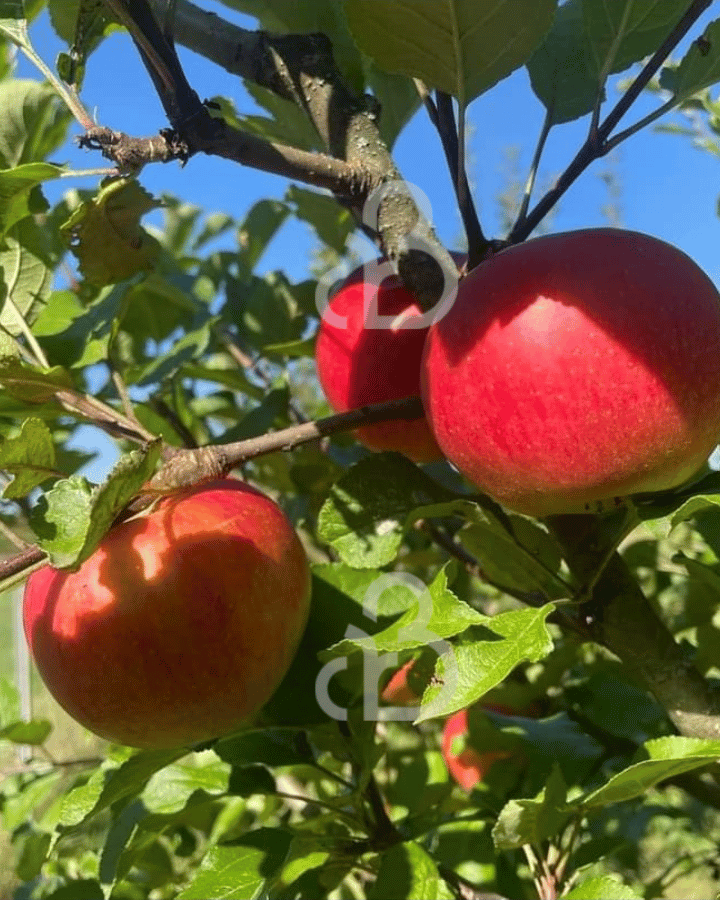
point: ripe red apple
(577, 368)
(468, 767)
(182, 623)
(361, 360)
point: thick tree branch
(619, 616)
(187, 467)
(301, 68)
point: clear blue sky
(667, 188)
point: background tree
(586, 645)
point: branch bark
(620, 617)
(301, 68)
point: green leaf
(398, 97)
(27, 280)
(34, 122)
(589, 41)
(507, 562)
(72, 518)
(270, 746)
(32, 384)
(562, 72)
(452, 45)
(238, 871)
(533, 821)
(621, 32)
(435, 613)
(190, 346)
(262, 222)
(482, 658)
(105, 233)
(106, 787)
(78, 335)
(170, 788)
(604, 888)
(365, 516)
(16, 186)
(332, 222)
(698, 69)
(9, 702)
(80, 889)
(666, 758)
(29, 457)
(286, 123)
(35, 732)
(407, 872)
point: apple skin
(182, 623)
(359, 365)
(397, 691)
(576, 368)
(469, 767)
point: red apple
(182, 623)
(361, 360)
(468, 767)
(576, 368)
(397, 691)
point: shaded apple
(181, 624)
(468, 766)
(577, 368)
(361, 360)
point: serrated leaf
(105, 233)
(122, 829)
(191, 345)
(15, 187)
(29, 457)
(82, 24)
(451, 45)
(479, 662)
(666, 758)
(365, 516)
(698, 69)
(533, 821)
(238, 871)
(72, 518)
(104, 788)
(435, 614)
(408, 872)
(603, 888)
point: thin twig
(596, 145)
(478, 244)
